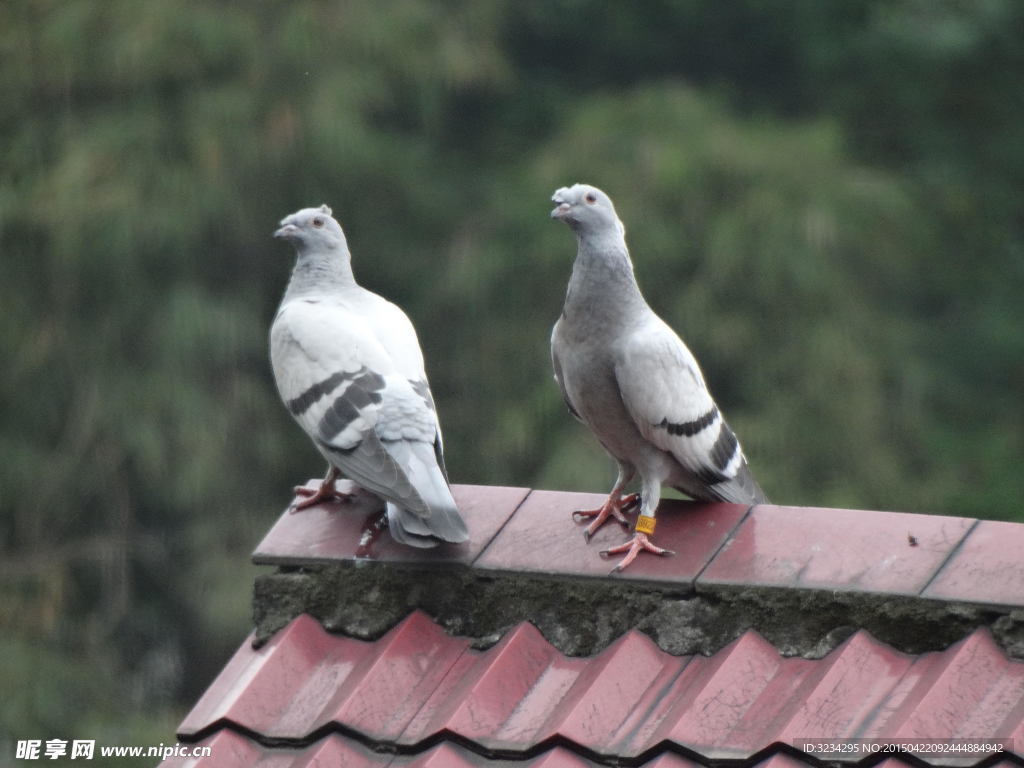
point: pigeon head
(312, 229)
(586, 209)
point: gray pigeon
(625, 374)
(349, 368)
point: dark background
(823, 197)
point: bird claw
(612, 508)
(602, 513)
(631, 501)
(325, 492)
(639, 543)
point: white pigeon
(625, 374)
(349, 368)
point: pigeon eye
(591, 198)
(318, 222)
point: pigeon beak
(287, 231)
(561, 209)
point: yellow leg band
(645, 524)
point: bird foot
(613, 507)
(639, 543)
(324, 492)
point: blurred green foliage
(824, 198)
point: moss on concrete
(582, 616)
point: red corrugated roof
(418, 696)
(416, 687)
(336, 751)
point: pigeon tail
(406, 528)
(741, 489)
(440, 520)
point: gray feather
(419, 462)
(626, 375)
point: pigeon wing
(556, 364)
(396, 333)
(334, 376)
(665, 394)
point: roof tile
(987, 568)
(332, 532)
(416, 684)
(229, 749)
(305, 678)
(233, 750)
(517, 530)
(609, 690)
(498, 698)
(835, 699)
(542, 537)
(705, 706)
(670, 760)
(255, 684)
(970, 691)
(410, 663)
(836, 549)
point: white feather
(349, 367)
(661, 384)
